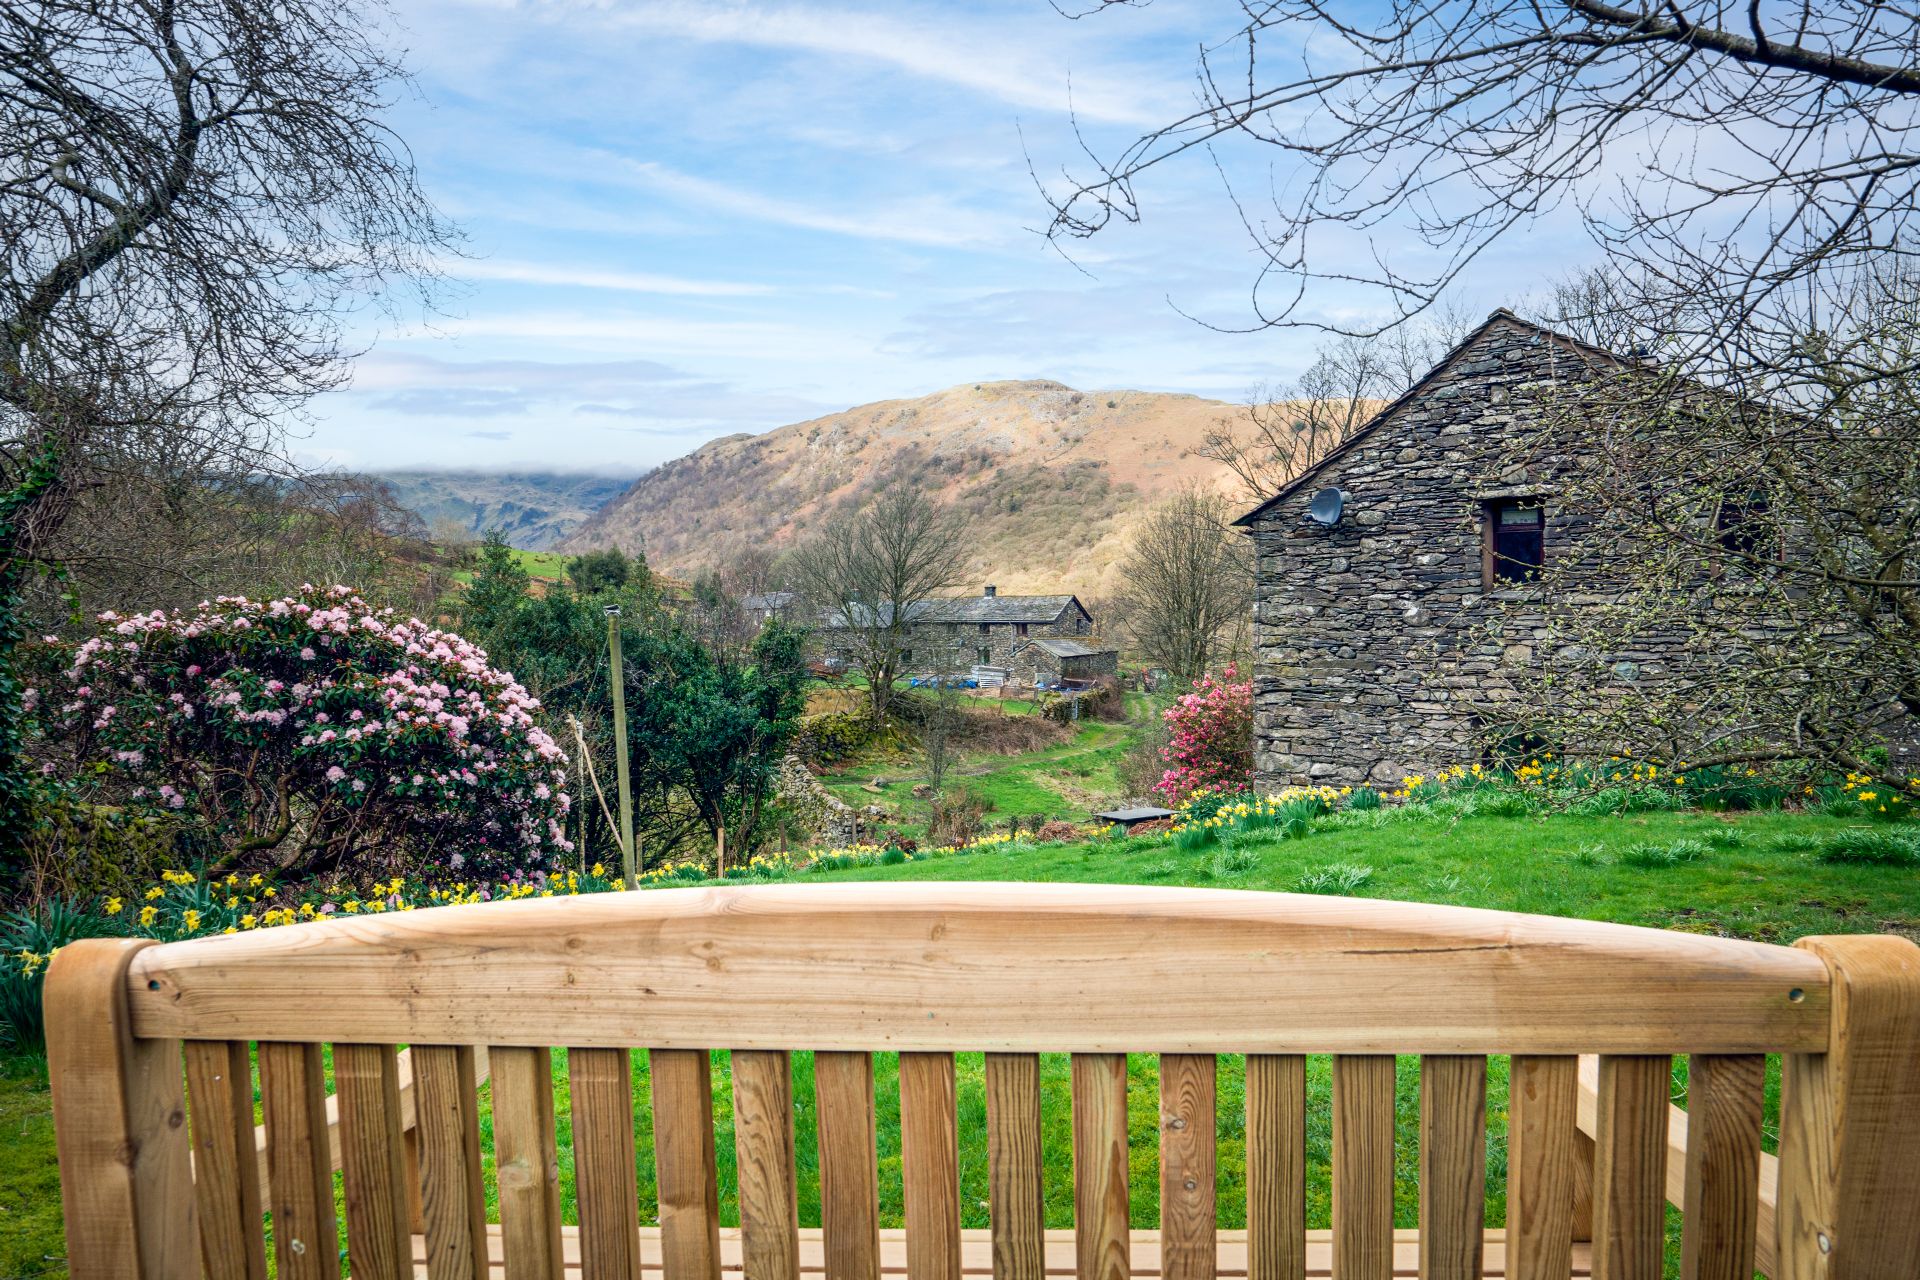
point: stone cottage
(1372, 656)
(952, 633)
(1053, 660)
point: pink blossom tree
(1210, 738)
(314, 733)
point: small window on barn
(1741, 524)
(906, 656)
(1516, 541)
(985, 627)
(984, 654)
(1020, 628)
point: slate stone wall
(1372, 656)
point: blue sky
(688, 219)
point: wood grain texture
(1276, 1167)
(763, 1153)
(684, 1163)
(849, 1173)
(366, 1086)
(1850, 1121)
(1540, 1167)
(1453, 1167)
(1725, 1099)
(1188, 1212)
(226, 1189)
(1100, 1202)
(1000, 968)
(605, 1174)
(526, 1159)
(1015, 1177)
(930, 1164)
(119, 1119)
(293, 1098)
(1630, 1167)
(1765, 1220)
(452, 1197)
(1363, 1166)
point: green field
(1753, 875)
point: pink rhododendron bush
(313, 733)
(1209, 738)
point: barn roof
(1060, 648)
(1399, 402)
(997, 608)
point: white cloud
(926, 221)
(985, 58)
(598, 278)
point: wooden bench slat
(1630, 1167)
(293, 1101)
(1541, 1137)
(1032, 968)
(526, 1161)
(1725, 1106)
(763, 1151)
(684, 1162)
(605, 1177)
(976, 1254)
(1188, 1154)
(1100, 1203)
(1453, 1166)
(930, 1164)
(366, 1085)
(849, 1164)
(1363, 1166)
(452, 1198)
(1016, 1193)
(1276, 1166)
(225, 1184)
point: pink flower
(336, 773)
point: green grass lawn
(1754, 875)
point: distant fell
(1051, 480)
(536, 509)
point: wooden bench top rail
(994, 967)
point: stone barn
(1371, 658)
(1053, 660)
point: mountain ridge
(1053, 480)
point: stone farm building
(1049, 635)
(1375, 654)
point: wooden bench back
(1097, 972)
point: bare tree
(193, 194)
(1694, 137)
(1290, 429)
(1188, 584)
(1746, 585)
(872, 571)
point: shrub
(892, 856)
(312, 730)
(1209, 738)
(1335, 878)
(1194, 836)
(1860, 847)
(1648, 856)
(957, 817)
(1363, 799)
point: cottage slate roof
(997, 608)
(1068, 648)
(772, 600)
(1428, 379)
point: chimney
(991, 591)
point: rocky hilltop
(1052, 480)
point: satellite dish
(1326, 507)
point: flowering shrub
(1210, 738)
(314, 726)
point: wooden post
(629, 866)
(720, 851)
(120, 1123)
(1850, 1121)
